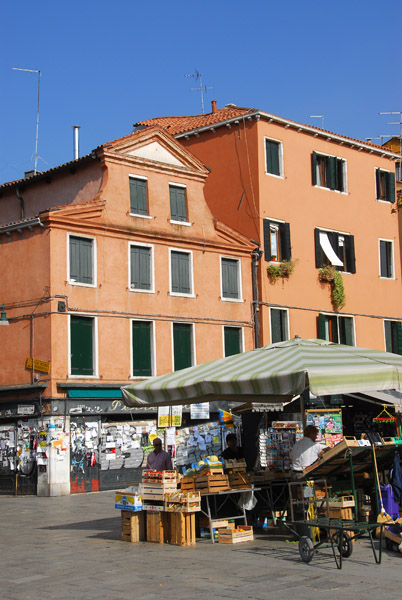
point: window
(385, 185)
(333, 248)
(386, 259)
(232, 340)
(279, 325)
(178, 208)
(82, 336)
(182, 346)
(180, 273)
(336, 329)
(273, 154)
(81, 260)
(329, 172)
(138, 196)
(142, 348)
(276, 241)
(393, 336)
(141, 268)
(230, 272)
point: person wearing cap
(159, 460)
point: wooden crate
(181, 529)
(207, 484)
(132, 526)
(180, 501)
(243, 533)
(341, 513)
(157, 527)
(150, 476)
(187, 484)
(157, 491)
(239, 480)
(343, 502)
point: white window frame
(153, 349)
(191, 274)
(280, 157)
(71, 234)
(239, 275)
(152, 267)
(133, 176)
(241, 337)
(95, 347)
(179, 185)
(345, 173)
(193, 344)
(338, 316)
(286, 310)
(392, 258)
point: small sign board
(25, 409)
(38, 365)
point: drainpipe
(256, 256)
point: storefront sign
(38, 365)
(199, 410)
(25, 409)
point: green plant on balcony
(283, 269)
(331, 275)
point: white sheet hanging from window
(329, 251)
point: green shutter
(81, 259)
(319, 256)
(278, 325)
(180, 272)
(339, 176)
(384, 258)
(314, 168)
(138, 196)
(267, 240)
(140, 268)
(81, 344)
(350, 253)
(178, 210)
(284, 233)
(232, 340)
(390, 187)
(142, 357)
(182, 346)
(230, 278)
(272, 151)
(321, 320)
(398, 327)
(346, 330)
(330, 165)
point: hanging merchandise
(276, 442)
(384, 416)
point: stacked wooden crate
(184, 502)
(243, 533)
(209, 484)
(155, 484)
(132, 526)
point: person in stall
(306, 451)
(159, 460)
(233, 451)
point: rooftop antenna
(198, 77)
(37, 114)
(396, 112)
(319, 117)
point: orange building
(321, 207)
(113, 269)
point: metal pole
(256, 256)
(353, 485)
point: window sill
(179, 295)
(141, 377)
(139, 290)
(274, 175)
(140, 216)
(232, 299)
(321, 187)
(80, 284)
(387, 278)
(185, 223)
(83, 376)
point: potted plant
(330, 275)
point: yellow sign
(38, 365)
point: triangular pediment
(155, 151)
(155, 147)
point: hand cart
(310, 518)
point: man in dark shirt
(232, 451)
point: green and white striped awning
(274, 373)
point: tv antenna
(201, 88)
(396, 112)
(319, 117)
(37, 114)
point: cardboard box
(128, 501)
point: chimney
(214, 109)
(76, 141)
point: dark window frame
(328, 172)
(273, 157)
(81, 266)
(183, 345)
(393, 336)
(348, 250)
(82, 346)
(142, 347)
(232, 336)
(283, 240)
(279, 329)
(338, 332)
(181, 283)
(386, 251)
(385, 185)
(178, 203)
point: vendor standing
(159, 460)
(233, 451)
(306, 451)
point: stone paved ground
(70, 548)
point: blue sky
(107, 64)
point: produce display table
(216, 501)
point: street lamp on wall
(3, 317)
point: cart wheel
(346, 546)
(306, 549)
